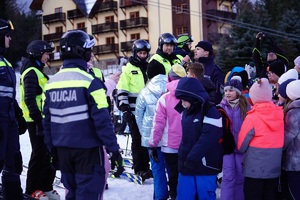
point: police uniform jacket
(75, 110)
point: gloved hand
(154, 155)
(39, 129)
(22, 125)
(54, 159)
(127, 116)
(116, 160)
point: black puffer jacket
(32, 87)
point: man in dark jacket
(11, 118)
(203, 53)
(77, 122)
(200, 152)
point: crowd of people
(169, 102)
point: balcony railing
(53, 37)
(76, 13)
(126, 46)
(105, 49)
(130, 3)
(104, 28)
(133, 23)
(105, 6)
(216, 14)
(56, 17)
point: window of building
(135, 36)
(182, 30)
(109, 19)
(134, 15)
(81, 25)
(180, 8)
(110, 40)
(58, 10)
(59, 29)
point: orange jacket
(261, 140)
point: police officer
(165, 57)
(11, 118)
(132, 81)
(77, 122)
(40, 174)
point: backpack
(227, 138)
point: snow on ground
(119, 189)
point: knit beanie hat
(277, 67)
(297, 62)
(153, 70)
(206, 46)
(261, 91)
(282, 88)
(177, 72)
(292, 90)
(290, 74)
(234, 84)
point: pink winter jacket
(167, 121)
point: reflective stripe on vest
(6, 91)
(62, 87)
(98, 73)
(42, 80)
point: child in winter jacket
(200, 152)
(167, 127)
(261, 141)
(144, 112)
(236, 106)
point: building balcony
(105, 49)
(104, 28)
(72, 14)
(131, 3)
(56, 17)
(126, 46)
(217, 14)
(53, 37)
(133, 23)
(105, 6)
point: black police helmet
(166, 38)
(37, 48)
(76, 44)
(140, 45)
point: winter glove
(127, 116)
(39, 129)
(54, 159)
(22, 125)
(154, 155)
(116, 160)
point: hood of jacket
(171, 86)
(269, 114)
(192, 90)
(157, 85)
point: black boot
(12, 190)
